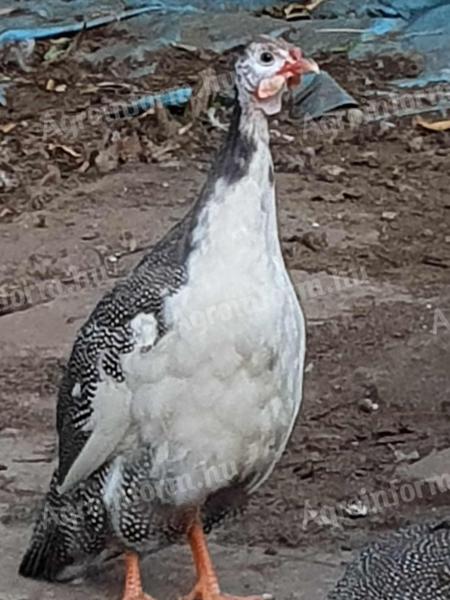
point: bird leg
(207, 586)
(133, 585)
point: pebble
(416, 144)
(355, 116)
(368, 405)
(388, 215)
(333, 170)
(401, 456)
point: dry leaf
(313, 4)
(294, 10)
(167, 126)
(89, 89)
(71, 151)
(5, 213)
(201, 94)
(8, 127)
(436, 126)
(84, 167)
(66, 149)
(53, 54)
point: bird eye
(266, 58)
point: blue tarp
(36, 19)
(388, 26)
(425, 33)
(405, 27)
(362, 27)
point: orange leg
(207, 586)
(133, 586)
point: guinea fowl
(184, 384)
(410, 564)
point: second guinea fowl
(410, 564)
(183, 386)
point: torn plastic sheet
(174, 97)
(403, 9)
(3, 88)
(365, 27)
(20, 35)
(427, 35)
(406, 27)
(319, 94)
(36, 19)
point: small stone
(89, 235)
(8, 181)
(314, 240)
(352, 193)
(401, 456)
(389, 215)
(108, 159)
(367, 405)
(356, 510)
(355, 117)
(333, 170)
(40, 221)
(416, 144)
(309, 151)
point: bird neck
(238, 200)
(248, 120)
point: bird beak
(296, 66)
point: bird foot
(137, 596)
(207, 586)
(194, 595)
(133, 586)
(203, 591)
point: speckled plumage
(410, 564)
(76, 525)
(166, 407)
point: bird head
(266, 69)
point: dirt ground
(364, 217)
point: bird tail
(46, 555)
(69, 529)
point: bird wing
(93, 412)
